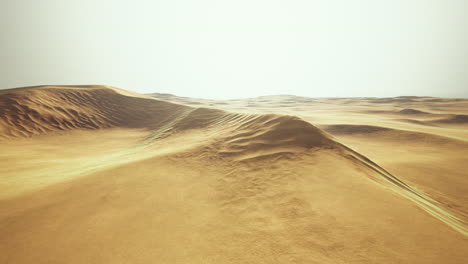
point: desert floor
(96, 174)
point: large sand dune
(95, 174)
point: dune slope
(421, 140)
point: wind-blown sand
(96, 174)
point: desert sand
(97, 174)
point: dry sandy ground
(95, 174)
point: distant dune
(354, 129)
(410, 111)
(97, 174)
(455, 119)
(39, 110)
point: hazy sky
(241, 48)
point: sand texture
(97, 174)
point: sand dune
(96, 174)
(35, 110)
(409, 111)
(354, 129)
(455, 119)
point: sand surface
(96, 174)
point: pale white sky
(241, 48)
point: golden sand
(96, 174)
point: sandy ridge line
(425, 202)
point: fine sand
(96, 174)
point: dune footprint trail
(126, 178)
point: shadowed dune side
(415, 122)
(454, 120)
(391, 133)
(353, 129)
(248, 136)
(272, 134)
(35, 111)
(410, 111)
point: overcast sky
(241, 48)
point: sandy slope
(422, 140)
(95, 174)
